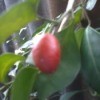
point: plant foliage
(79, 50)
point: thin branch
(6, 86)
(66, 14)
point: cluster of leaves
(79, 50)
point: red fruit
(46, 54)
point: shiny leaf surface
(90, 53)
(68, 95)
(15, 18)
(23, 84)
(6, 62)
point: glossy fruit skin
(46, 54)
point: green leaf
(23, 84)
(90, 53)
(34, 1)
(78, 14)
(16, 18)
(6, 62)
(68, 68)
(79, 35)
(68, 95)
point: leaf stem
(87, 17)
